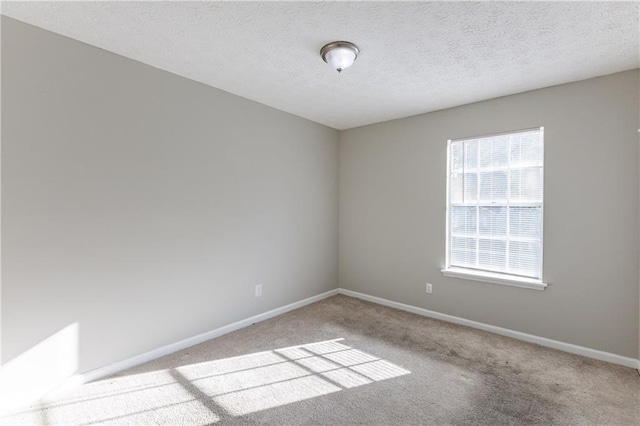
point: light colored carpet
(346, 361)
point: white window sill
(490, 277)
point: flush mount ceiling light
(339, 54)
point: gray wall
(392, 213)
(145, 207)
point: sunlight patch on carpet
(288, 375)
(208, 392)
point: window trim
(490, 276)
(494, 278)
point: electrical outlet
(429, 288)
(259, 290)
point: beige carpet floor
(346, 361)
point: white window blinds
(495, 203)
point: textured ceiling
(415, 56)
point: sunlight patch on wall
(38, 370)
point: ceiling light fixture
(339, 54)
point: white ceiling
(415, 57)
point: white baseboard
(542, 341)
(108, 370)
(200, 338)
(191, 341)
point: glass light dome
(339, 54)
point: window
(494, 208)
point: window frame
(485, 275)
